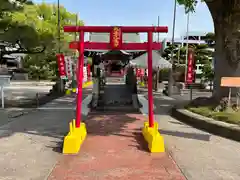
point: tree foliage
(36, 25)
(189, 4)
(210, 39)
(202, 53)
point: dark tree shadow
(196, 136)
(108, 123)
(141, 143)
(43, 123)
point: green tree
(202, 53)
(225, 14)
(34, 25)
(210, 39)
(179, 53)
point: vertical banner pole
(88, 71)
(2, 96)
(150, 94)
(80, 79)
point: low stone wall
(20, 76)
(223, 129)
(31, 83)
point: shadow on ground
(50, 123)
(163, 107)
(117, 124)
(39, 100)
(196, 136)
(54, 124)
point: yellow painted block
(74, 139)
(74, 90)
(153, 137)
(68, 92)
(86, 84)
(142, 84)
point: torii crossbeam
(116, 43)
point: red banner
(61, 65)
(116, 38)
(88, 71)
(139, 72)
(190, 67)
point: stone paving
(115, 148)
(199, 155)
(31, 144)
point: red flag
(61, 65)
(190, 69)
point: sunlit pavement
(199, 155)
(31, 144)
(24, 92)
(115, 148)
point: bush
(163, 74)
(178, 74)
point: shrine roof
(157, 61)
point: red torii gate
(116, 43)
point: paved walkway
(199, 155)
(31, 144)
(115, 148)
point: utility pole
(76, 23)
(59, 43)
(187, 34)
(179, 50)
(157, 70)
(59, 29)
(158, 26)
(170, 79)
(74, 83)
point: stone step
(125, 109)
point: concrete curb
(219, 128)
(32, 83)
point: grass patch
(232, 117)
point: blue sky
(135, 12)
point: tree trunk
(226, 17)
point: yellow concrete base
(86, 84)
(153, 137)
(74, 90)
(141, 84)
(68, 92)
(74, 139)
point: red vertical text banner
(69, 69)
(142, 72)
(88, 71)
(139, 72)
(61, 66)
(190, 67)
(116, 38)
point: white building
(194, 38)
